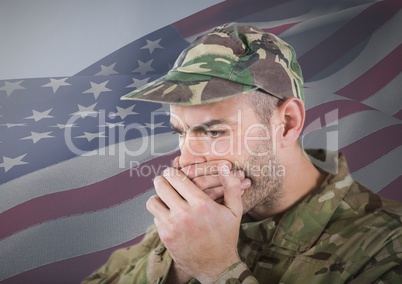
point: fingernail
(245, 183)
(165, 172)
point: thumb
(232, 191)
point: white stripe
(315, 97)
(82, 171)
(381, 172)
(388, 99)
(306, 35)
(347, 130)
(383, 41)
(74, 236)
(328, 18)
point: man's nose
(193, 151)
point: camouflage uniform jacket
(341, 233)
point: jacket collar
(299, 228)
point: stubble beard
(265, 191)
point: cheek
(224, 146)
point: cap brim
(200, 90)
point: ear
(291, 114)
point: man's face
(230, 130)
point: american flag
(75, 160)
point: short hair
(264, 105)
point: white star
(91, 136)
(154, 126)
(9, 163)
(144, 68)
(112, 125)
(152, 45)
(85, 111)
(10, 87)
(55, 84)
(107, 70)
(96, 89)
(37, 115)
(137, 83)
(123, 112)
(35, 136)
(63, 126)
(9, 125)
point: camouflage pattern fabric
(340, 233)
(227, 61)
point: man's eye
(181, 133)
(214, 133)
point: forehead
(230, 110)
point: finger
(176, 162)
(215, 193)
(210, 181)
(183, 185)
(232, 191)
(168, 194)
(203, 169)
(157, 207)
(204, 182)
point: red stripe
(398, 115)
(103, 194)
(347, 37)
(372, 147)
(68, 271)
(280, 29)
(316, 116)
(221, 13)
(393, 190)
(376, 78)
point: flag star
(37, 115)
(85, 111)
(154, 126)
(96, 89)
(64, 126)
(35, 136)
(55, 84)
(137, 83)
(9, 163)
(9, 125)
(152, 45)
(112, 125)
(144, 67)
(91, 136)
(10, 87)
(124, 112)
(107, 70)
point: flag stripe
(381, 172)
(350, 129)
(226, 11)
(94, 197)
(368, 149)
(68, 175)
(375, 78)
(392, 190)
(360, 59)
(277, 30)
(398, 115)
(74, 236)
(388, 99)
(326, 112)
(347, 37)
(77, 268)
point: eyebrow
(202, 126)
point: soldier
(243, 202)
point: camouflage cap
(227, 61)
